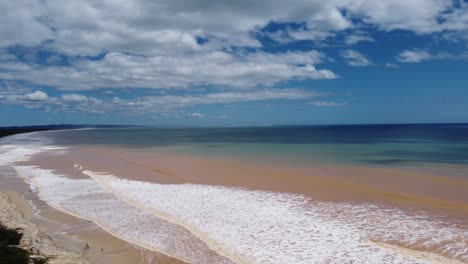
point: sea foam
(86, 199)
(267, 227)
(22, 147)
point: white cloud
(196, 115)
(117, 70)
(153, 27)
(170, 102)
(414, 56)
(20, 23)
(152, 104)
(458, 19)
(36, 96)
(290, 35)
(355, 58)
(13, 88)
(391, 65)
(89, 27)
(326, 103)
(354, 39)
(78, 98)
(420, 16)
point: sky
(233, 63)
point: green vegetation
(40, 260)
(13, 255)
(9, 236)
(10, 253)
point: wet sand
(61, 236)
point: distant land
(11, 130)
(7, 131)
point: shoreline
(320, 182)
(61, 236)
(12, 215)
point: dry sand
(13, 214)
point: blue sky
(234, 62)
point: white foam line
(202, 235)
(84, 198)
(266, 227)
(22, 147)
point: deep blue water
(370, 144)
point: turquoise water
(379, 145)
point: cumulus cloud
(171, 102)
(153, 27)
(355, 58)
(418, 55)
(117, 70)
(36, 96)
(356, 38)
(146, 26)
(41, 100)
(20, 24)
(420, 16)
(326, 103)
(73, 97)
(414, 56)
(152, 104)
(196, 115)
(391, 65)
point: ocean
(302, 194)
(364, 144)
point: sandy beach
(14, 213)
(61, 237)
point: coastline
(14, 213)
(60, 236)
(323, 183)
